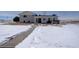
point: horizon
(8, 15)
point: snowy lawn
(1, 23)
(10, 30)
(66, 36)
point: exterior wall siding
(26, 19)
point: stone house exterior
(30, 17)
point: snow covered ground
(10, 30)
(66, 36)
(1, 23)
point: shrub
(16, 19)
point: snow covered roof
(27, 13)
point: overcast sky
(61, 14)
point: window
(54, 19)
(44, 19)
(24, 16)
(48, 18)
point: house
(30, 17)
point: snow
(1, 23)
(10, 30)
(66, 36)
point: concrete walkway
(14, 40)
